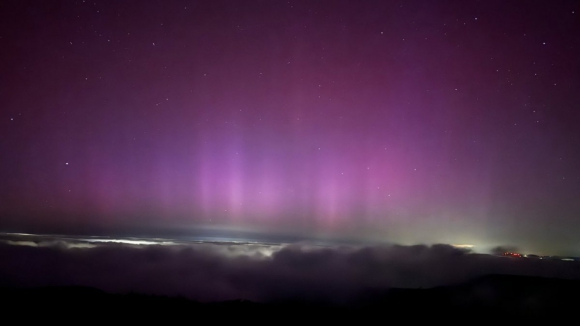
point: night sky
(392, 121)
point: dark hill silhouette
(493, 296)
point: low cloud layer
(258, 272)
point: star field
(398, 121)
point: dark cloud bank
(211, 272)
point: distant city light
(463, 246)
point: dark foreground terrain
(493, 297)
